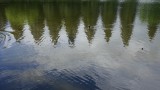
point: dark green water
(82, 45)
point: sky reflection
(80, 46)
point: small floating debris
(89, 26)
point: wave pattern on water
(90, 45)
(6, 39)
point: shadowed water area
(80, 45)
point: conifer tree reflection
(2, 24)
(19, 14)
(53, 18)
(150, 13)
(109, 12)
(71, 17)
(90, 12)
(16, 15)
(127, 17)
(37, 21)
(2, 17)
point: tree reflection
(71, 14)
(109, 12)
(16, 16)
(90, 12)
(150, 13)
(127, 17)
(19, 14)
(2, 17)
(53, 18)
(37, 21)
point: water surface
(83, 45)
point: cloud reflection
(79, 46)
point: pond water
(83, 45)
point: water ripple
(6, 39)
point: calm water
(90, 45)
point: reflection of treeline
(2, 16)
(109, 12)
(53, 17)
(53, 14)
(150, 13)
(70, 13)
(127, 16)
(44, 0)
(19, 14)
(90, 12)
